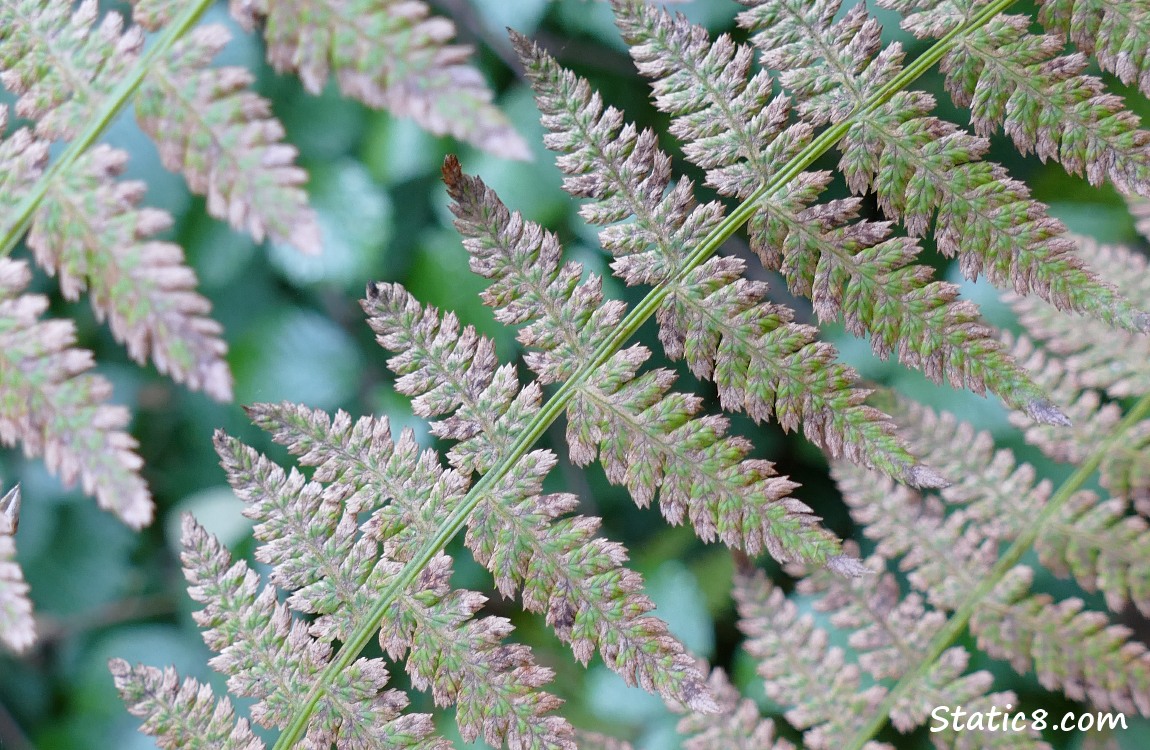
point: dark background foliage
(296, 333)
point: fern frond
(1115, 32)
(920, 167)
(390, 55)
(577, 579)
(1021, 81)
(1111, 361)
(225, 141)
(61, 66)
(737, 726)
(950, 555)
(308, 536)
(760, 362)
(732, 127)
(50, 405)
(798, 667)
(184, 715)
(648, 437)
(271, 657)
(17, 628)
(90, 231)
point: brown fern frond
(921, 167)
(308, 533)
(90, 231)
(760, 362)
(1022, 82)
(648, 437)
(63, 66)
(737, 726)
(223, 138)
(1115, 32)
(732, 127)
(55, 409)
(563, 569)
(392, 55)
(181, 715)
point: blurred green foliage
(296, 333)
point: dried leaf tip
(452, 171)
(1045, 412)
(10, 511)
(847, 566)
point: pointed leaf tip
(1045, 412)
(452, 171)
(10, 511)
(847, 566)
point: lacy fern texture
(809, 138)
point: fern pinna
(72, 68)
(358, 548)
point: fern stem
(116, 102)
(957, 623)
(626, 328)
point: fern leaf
(760, 363)
(737, 726)
(648, 437)
(563, 569)
(1122, 470)
(390, 55)
(63, 67)
(225, 141)
(17, 628)
(1010, 77)
(1113, 31)
(733, 129)
(308, 535)
(950, 554)
(921, 167)
(185, 716)
(271, 657)
(1111, 361)
(57, 410)
(89, 230)
(798, 667)
(1075, 651)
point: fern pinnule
(576, 578)
(1022, 82)
(924, 170)
(63, 68)
(56, 409)
(1114, 32)
(760, 362)
(308, 533)
(848, 267)
(738, 725)
(649, 438)
(90, 231)
(225, 141)
(183, 715)
(389, 55)
(17, 628)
